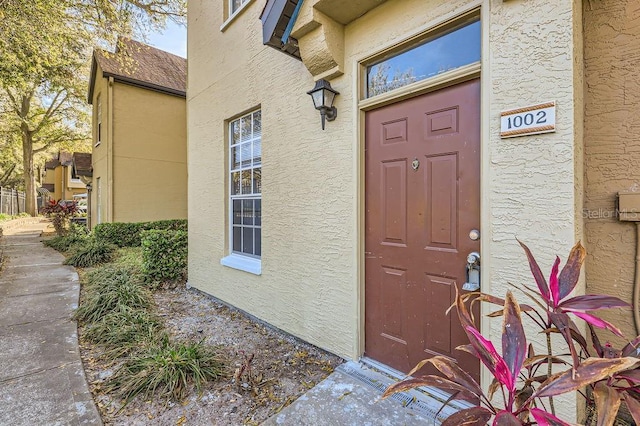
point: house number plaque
(529, 120)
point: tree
(45, 46)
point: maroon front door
(422, 200)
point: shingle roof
(143, 65)
(64, 158)
(82, 164)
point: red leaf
(593, 302)
(505, 418)
(412, 383)
(563, 322)
(632, 348)
(597, 322)
(589, 371)
(571, 272)
(630, 375)
(633, 405)
(607, 403)
(514, 341)
(453, 372)
(554, 287)
(537, 273)
(474, 416)
(546, 419)
(490, 357)
(596, 342)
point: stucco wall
(149, 155)
(612, 143)
(144, 132)
(99, 153)
(311, 282)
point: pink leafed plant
(526, 380)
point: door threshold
(425, 401)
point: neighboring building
(359, 234)
(59, 178)
(139, 134)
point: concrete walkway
(42, 380)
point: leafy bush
(61, 211)
(118, 292)
(128, 234)
(167, 370)
(90, 253)
(164, 254)
(525, 379)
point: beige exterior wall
(612, 144)
(142, 160)
(149, 155)
(99, 154)
(312, 252)
(64, 188)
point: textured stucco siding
(612, 143)
(149, 155)
(99, 153)
(311, 282)
(308, 285)
(533, 190)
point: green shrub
(119, 233)
(91, 253)
(164, 254)
(119, 292)
(128, 234)
(167, 370)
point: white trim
(232, 17)
(243, 263)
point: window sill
(243, 263)
(235, 14)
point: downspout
(636, 284)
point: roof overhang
(277, 19)
(127, 80)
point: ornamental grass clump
(124, 328)
(116, 293)
(77, 235)
(526, 379)
(92, 252)
(167, 370)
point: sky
(173, 39)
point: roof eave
(145, 85)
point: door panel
(422, 199)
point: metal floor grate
(420, 401)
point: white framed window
(245, 193)
(98, 120)
(235, 5)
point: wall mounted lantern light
(323, 96)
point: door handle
(473, 272)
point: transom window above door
(446, 51)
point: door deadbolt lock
(473, 272)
